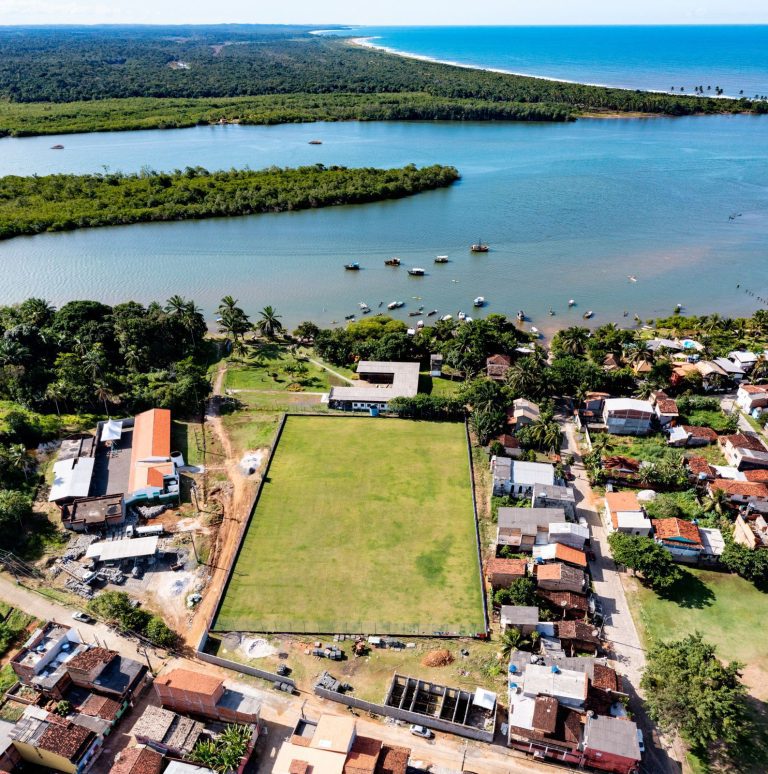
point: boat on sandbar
(392, 262)
(352, 266)
(441, 259)
(416, 271)
(479, 247)
(521, 316)
(479, 301)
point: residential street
(619, 630)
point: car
(421, 731)
(83, 618)
(640, 741)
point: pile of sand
(437, 658)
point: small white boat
(535, 331)
(571, 303)
(395, 304)
(588, 314)
(461, 316)
(468, 319)
(363, 305)
(441, 259)
(417, 271)
(632, 278)
(447, 317)
(479, 301)
(420, 324)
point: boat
(352, 266)
(349, 317)
(367, 310)
(420, 324)
(521, 316)
(413, 314)
(535, 331)
(57, 147)
(432, 313)
(468, 319)
(416, 271)
(441, 259)
(479, 301)
(571, 303)
(392, 262)
(479, 247)
(447, 317)
(551, 312)
(588, 314)
(363, 305)
(632, 278)
(315, 142)
(395, 304)
(461, 316)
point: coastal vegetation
(327, 78)
(31, 205)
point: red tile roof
(669, 529)
(138, 760)
(564, 599)
(743, 441)
(701, 432)
(499, 360)
(667, 406)
(756, 475)
(699, 465)
(186, 680)
(299, 767)
(90, 658)
(508, 441)
(363, 755)
(620, 462)
(570, 555)
(743, 488)
(621, 501)
(505, 567)
(605, 678)
(393, 760)
(67, 740)
(545, 714)
(576, 630)
(753, 389)
(100, 707)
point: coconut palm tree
(176, 306)
(510, 640)
(227, 303)
(759, 370)
(105, 395)
(638, 352)
(18, 459)
(55, 392)
(573, 340)
(601, 442)
(269, 324)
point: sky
(391, 12)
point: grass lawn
(654, 447)
(364, 525)
(724, 608)
(437, 385)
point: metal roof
(532, 473)
(615, 736)
(405, 382)
(113, 550)
(518, 517)
(71, 478)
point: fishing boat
(363, 305)
(441, 259)
(447, 317)
(588, 314)
(461, 316)
(395, 304)
(392, 262)
(352, 266)
(367, 310)
(632, 278)
(315, 142)
(413, 314)
(416, 271)
(571, 303)
(479, 301)
(479, 247)
(521, 316)
(535, 331)
(551, 312)
(432, 313)
(349, 317)
(57, 147)
(420, 324)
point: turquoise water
(658, 58)
(570, 211)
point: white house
(568, 534)
(751, 396)
(625, 514)
(628, 416)
(527, 475)
(744, 359)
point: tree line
(31, 205)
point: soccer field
(363, 525)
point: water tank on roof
(177, 458)
(512, 668)
(555, 669)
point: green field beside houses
(363, 525)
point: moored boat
(416, 271)
(352, 266)
(479, 301)
(57, 147)
(395, 304)
(521, 316)
(588, 314)
(441, 259)
(479, 247)
(315, 142)
(571, 303)
(447, 317)
(392, 262)
(432, 313)
(461, 316)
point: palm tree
(601, 442)
(573, 340)
(17, 457)
(269, 324)
(55, 392)
(644, 390)
(510, 640)
(639, 353)
(104, 394)
(717, 501)
(227, 303)
(759, 370)
(93, 361)
(176, 306)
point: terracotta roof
(545, 714)
(699, 465)
(743, 488)
(363, 755)
(605, 678)
(622, 501)
(666, 406)
(620, 461)
(505, 567)
(508, 441)
(558, 571)
(393, 760)
(576, 630)
(499, 360)
(669, 529)
(299, 767)
(743, 441)
(701, 432)
(151, 438)
(753, 389)
(570, 600)
(67, 740)
(186, 680)
(137, 760)
(571, 720)
(100, 707)
(571, 555)
(90, 658)
(756, 475)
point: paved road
(619, 629)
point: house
(137, 760)
(523, 412)
(611, 744)
(560, 577)
(93, 514)
(749, 532)
(435, 364)
(496, 367)
(557, 552)
(554, 496)
(683, 373)
(691, 435)
(746, 360)
(713, 544)
(751, 396)
(740, 492)
(501, 474)
(566, 604)
(642, 368)
(569, 534)
(627, 416)
(525, 527)
(665, 409)
(331, 745)
(733, 370)
(681, 538)
(194, 693)
(759, 475)
(527, 475)
(619, 468)
(510, 444)
(167, 732)
(519, 617)
(379, 382)
(699, 468)
(744, 451)
(51, 742)
(501, 572)
(153, 476)
(107, 672)
(625, 514)
(712, 375)
(611, 362)
(41, 662)
(577, 637)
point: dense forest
(66, 65)
(31, 205)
